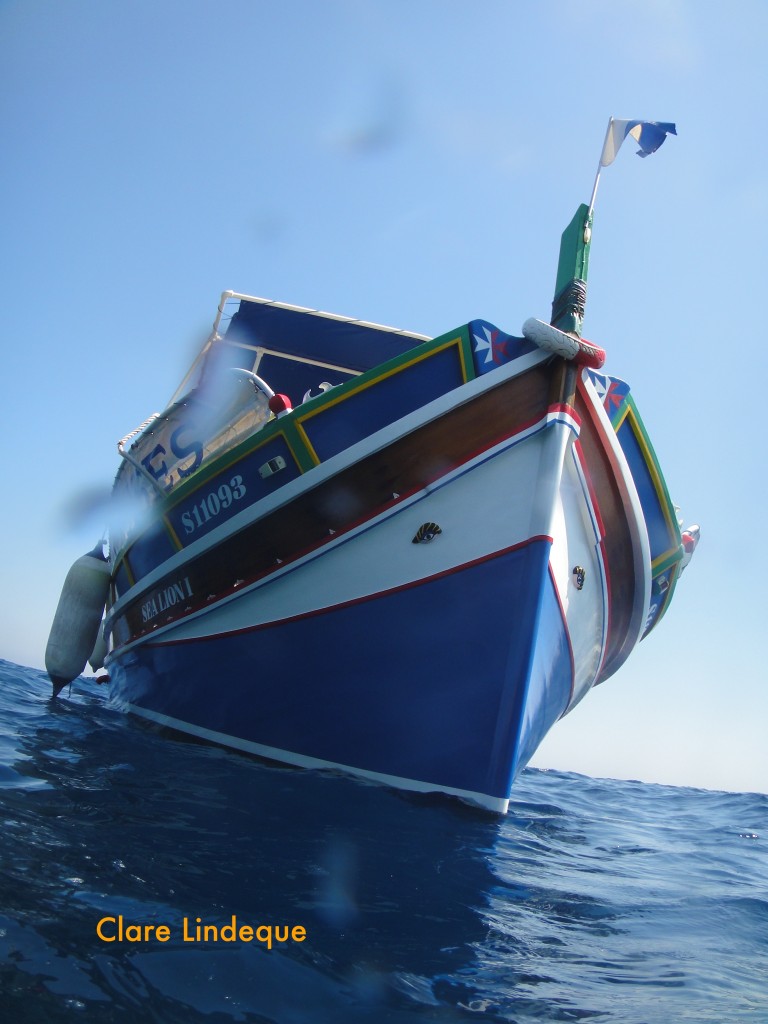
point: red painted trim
(589, 354)
(359, 600)
(567, 409)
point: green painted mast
(571, 285)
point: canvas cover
(295, 350)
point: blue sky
(411, 163)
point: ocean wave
(593, 899)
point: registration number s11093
(213, 504)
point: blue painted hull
(449, 684)
(275, 591)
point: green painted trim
(467, 356)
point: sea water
(326, 899)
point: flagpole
(597, 176)
(571, 285)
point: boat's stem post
(571, 285)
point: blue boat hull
(449, 684)
(408, 573)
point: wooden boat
(402, 557)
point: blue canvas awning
(294, 350)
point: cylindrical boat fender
(77, 619)
(551, 339)
(690, 539)
(99, 652)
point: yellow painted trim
(621, 419)
(172, 534)
(658, 482)
(463, 359)
(306, 442)
(291, 449)
(464, 341)
(650, 461)
(670, 553)
(663, 558)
